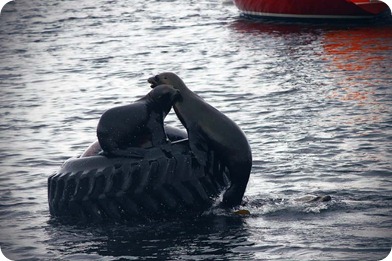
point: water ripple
(313, 100)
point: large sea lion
(139, 124)
(208, 126)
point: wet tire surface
(159, 185)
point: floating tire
(161, 184)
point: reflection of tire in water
(98, 188)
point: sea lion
(139, 124)
(206, 126)
(172, 133)
(312, 198)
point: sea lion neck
(180, 85)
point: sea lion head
(166, 78)
(164, 96)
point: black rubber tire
(159, 185)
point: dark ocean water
(313, 99)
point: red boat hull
(340, 9)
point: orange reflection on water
(358, 49)
(361, 58)
(349, 94)
(361, 55)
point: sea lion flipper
(198, 146)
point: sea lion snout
(162, 78)
(154, 81)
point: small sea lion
(139, 124)
(206, 126)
